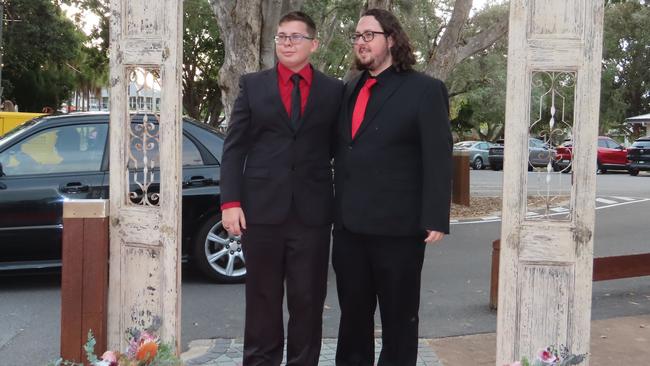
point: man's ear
(390, 41)
(314, 45)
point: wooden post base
(84, 277)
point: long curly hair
(402, 51)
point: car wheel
(600, 169)
(218, 255)
(496, 167)
(633, 172)
(477, 164)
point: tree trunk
(272, 10)
(240, 23)
(247, 30)
(381, 4)
(452, 50)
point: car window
(641, 144)
(483, 146)
(613, 144)
(191, 154)
(602, 143)
(63, 149)
(464, 144)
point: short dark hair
(402, 51)
(299, 16)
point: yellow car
(10, 120)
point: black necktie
(295, 101)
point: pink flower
(109, 356)
(547, 356)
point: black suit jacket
(267, 165)
(394, 177)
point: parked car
(477, 152)
(563, 157)
(539, 155)
(639, 155)
(51, 159)
(610, 156)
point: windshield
(7, 136)
(643, 144)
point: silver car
(477, 152)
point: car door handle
(198, 181)
(74, 187)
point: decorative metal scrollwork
(550, 147)
(143, 138)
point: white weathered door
(145, 168)
(554, 61)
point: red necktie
(361, 104)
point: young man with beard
(393, 192)
(276, 190)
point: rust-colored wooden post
(460, 187)
(84, 283)
(494, 276)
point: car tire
(477, 164)
(600, 169)
(633, 172)
(496, 167)
(218, 255)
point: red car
(611, 156)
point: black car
(639, 155)
(51, 159)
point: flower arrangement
(145, 349)
(552, 356)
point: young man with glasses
(276, 191)
(393, 192)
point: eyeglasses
(367, 36)
(294, 38)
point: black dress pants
(371, 269)
(298, 254)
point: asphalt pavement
(455, 285)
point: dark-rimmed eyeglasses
(294, 38)
(367, 36)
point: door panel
(41, 172)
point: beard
(371, 63)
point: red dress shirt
(286, 87)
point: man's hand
(433, 236)
(233, 220)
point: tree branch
(483, 40)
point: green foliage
(203, 54)
(40, 44)
(625, 88)
(478, 84)
(335, 20)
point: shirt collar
(384, 75)
(285, 74)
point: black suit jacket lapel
(348, 105)
(378, 100)
(276, 99)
